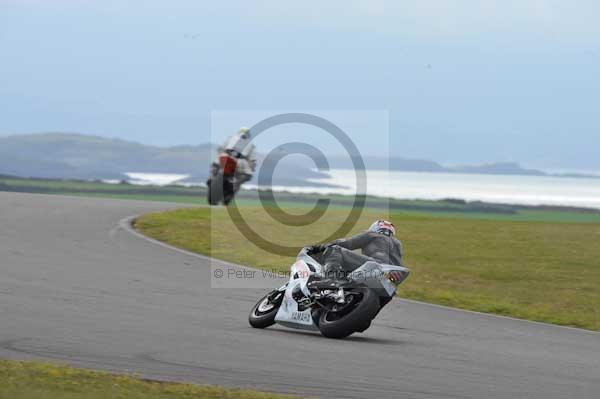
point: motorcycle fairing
(288, 314)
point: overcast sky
(461, 81)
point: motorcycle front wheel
(353, 317)
(263, 313)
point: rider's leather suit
(340, 257)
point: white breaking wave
(159, 179)
(526, 190)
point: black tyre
(209, 194)
(364, 328)
(263, 313)
(227, 199)
(355, 317)
(215, 189)
(228, 192)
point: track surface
(77, 288)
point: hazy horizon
(591, 172)
(464, 82)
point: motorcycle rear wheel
(357, 319)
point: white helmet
(383, 227)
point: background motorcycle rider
(378, 244)
(239, 147)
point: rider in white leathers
(239, 146)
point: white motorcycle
(336, 309)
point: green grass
(544, 271)
(36, 380)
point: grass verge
(28, 380)
(543, 271)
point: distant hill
(60, 155)
(77, 156)
(419, 165)
(395, 163)
(499, 168)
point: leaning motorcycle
(227, 175)
(337, 309)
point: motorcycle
(335, 308)
(227, 174)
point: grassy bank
(28, 380)
(545, 271)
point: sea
(504, 189)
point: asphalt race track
(79, 288)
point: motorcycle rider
(239, 147)
(378, 244)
